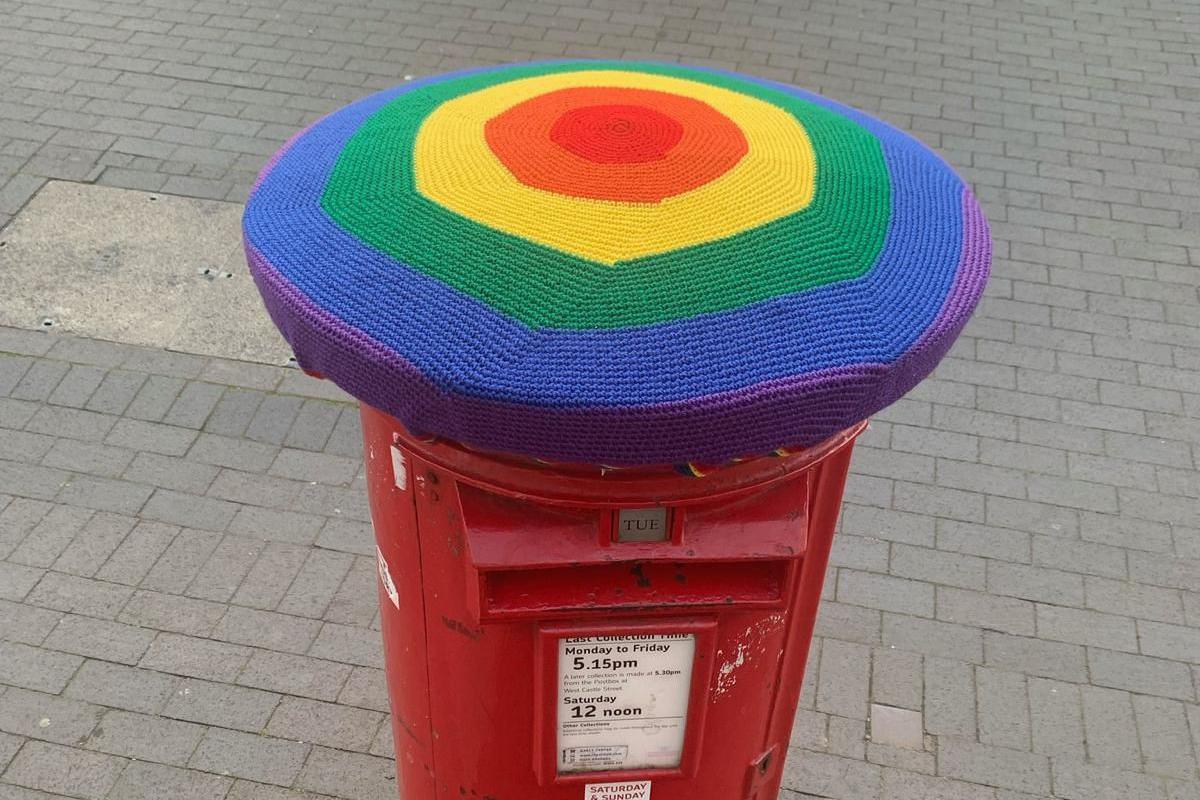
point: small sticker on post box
(623, 701)
(625, 790)
(385, 578)
(399, 470)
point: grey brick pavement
(1018, 575)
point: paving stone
(223, 451)
(350, 775)
(315, 678)
(96, 638)
(43, 716)
(118, 686)
(72, 423)
(897, 727)
(832, 776)
(178, 508)
(142, 781)
(348, 536)
(987, 611)
(324, 723)
(26, 624)
(950, 700)
(1003, 709)
(993, 766)
(274, 418)
(1036, 657)
(940, 639)
(138, 553)
(181, 561)
(1057, 719)
(1086, 627)
(166, 612)
(190, 656)
(1035, 583)
(271, 576)
(353, 604)
(115, 392)
(235, 409)
(367, 688)
(1140, 674)
(32, 482)
(154, 437)
(94, 544)
(267, 629)
(64, 770)
(221, 704)
(360, 646)
(225, 568)
(1078, 781)
(51, 537)
(1108, 716)
(39, 380)
(194, 404)
(76, 386)
(155, 397)
(845, 690)
(1131, 599)
(313, 425)
(317, 467)
(251, 756)
(248, 790)
(9, 745)
(907, 785)
(16, 580)
(79, 595)
(105, 494)
(885, 592)
(277, 525)
(1165, 741)
(897, 678)
(1176, 642)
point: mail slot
(550, 629)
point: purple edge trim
(797, 411)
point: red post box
(558, 633)
(598, 262)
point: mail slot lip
(576, 486)
(657, 587)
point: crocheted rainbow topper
(615, 263)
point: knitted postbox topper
(615, 263)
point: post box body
(567, 633)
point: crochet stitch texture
(615, 262)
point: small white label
(628, 790)
(399, 470)
(385, 578)
(623, 702)
(642, 525)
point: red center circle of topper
(615, 143)
(617, 134)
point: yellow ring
(456, 169)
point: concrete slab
(135, 267)
(898, 727)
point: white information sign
(625, 790)
(623, 701)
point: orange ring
(615, 143)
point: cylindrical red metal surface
(568, 633)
